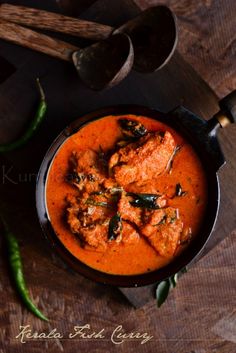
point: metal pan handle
(205, 132)
(227, 113)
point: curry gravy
(138, 257)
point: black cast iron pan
(200, 133)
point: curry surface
(140, 257)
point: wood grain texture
(207, 38)
(30, 39)
(54, 22)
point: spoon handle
(27, 38)
(54, 22)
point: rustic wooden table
(199, 316)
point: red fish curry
(125, 194)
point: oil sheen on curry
(125, 194)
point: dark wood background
(199, 316)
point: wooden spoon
(154, 37)
(100, 65)
(153, 32)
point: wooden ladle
(153, 33)
(100, 65)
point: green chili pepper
(17, 272)
(38, 118)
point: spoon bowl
(105, 63)
(101, 65)
(154, 37)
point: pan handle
(205, 132)
(227, 113)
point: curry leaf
(132, 127)
(170, 164)
(115, 227)
(173, 280)
(181, 272)
(163, 288)
(144, 200)
(162, 292)
(179, 191)
(92, 202)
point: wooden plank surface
(67, 298)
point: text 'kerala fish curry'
(125, 194)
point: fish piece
(115, 227)
(95, 236)
(163, 229)
(143, 160)
(84, 171)
(84, 161)
(88, 221)
(129, 234)
(127, 211)
(87, 174)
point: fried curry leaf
(144, 200)
(102, 158)
(116, 190)
(115, 227)
(179, 191)
(123, 143)
(76, 178)
(170, 164)
(92, 202)
(132, 127)
(163, 288)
